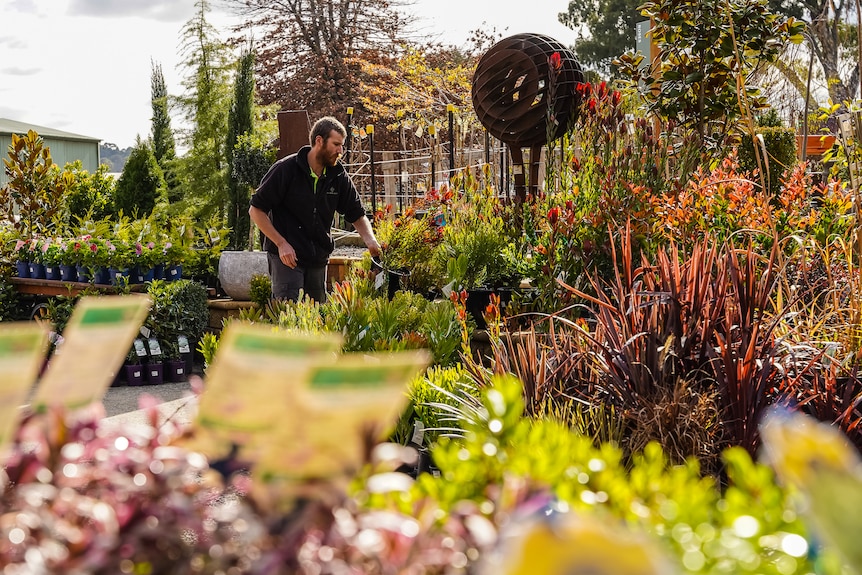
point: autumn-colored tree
(415, 89)
(308, 49)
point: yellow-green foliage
(505, 460)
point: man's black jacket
(302, 214)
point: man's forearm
(363, 228)
(264, 224)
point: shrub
(141, 185)
(781, 155)
(260, 290)
(179, 308)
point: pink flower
(94, 248)
(20, 244)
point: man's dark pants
(286, 282)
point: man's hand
(286, 254)
(375, 248)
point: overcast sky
(84, 65)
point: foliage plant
(141, 185)
(84, 496)
(409, 242)
(260, 290)
(506, 460)
(779, 151)
(477, 231)
(683, 348)
(179, 308)
(439, 386)
(31, 199)
(708, 56)
(91, 196)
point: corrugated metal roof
(9, 127)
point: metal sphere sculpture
(520, 85)
(512, 87)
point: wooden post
(293, 129)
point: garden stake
(451, 109)
(369, 129)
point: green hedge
(781, 152)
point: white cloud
(18, 71)
(162, 11)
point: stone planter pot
(235, 270)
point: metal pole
(432, 131)
(451, 109)
(369, 129)
(349, 138)
(400, 188)
(503, 189)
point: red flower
(555, 61)
(553, 215)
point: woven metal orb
(511, 89)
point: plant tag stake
(379, 280)
(145, 331)
(418, 433)
(140, 348)
(447, 289)
(214, 235)
(183, 342)
(155, 348)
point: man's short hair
(323, 127)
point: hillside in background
(114, 156)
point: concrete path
(177, 403)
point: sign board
(97, 339)
(643, 42)
(22, 352)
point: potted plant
(94, 262)
(69, 257)
(174, 364)
(133, 366)
(22, 258)
(51, 250)
(154, 370)
(175, 255)
(37, 268)
(119, 262)
(146, 257)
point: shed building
(65, 146)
